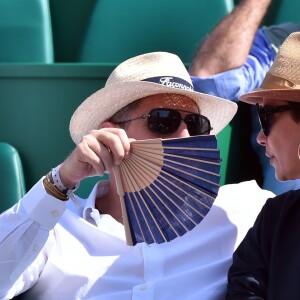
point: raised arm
(27, 229)
(228, 45)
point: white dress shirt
(57, 251)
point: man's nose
(183, 130)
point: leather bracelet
(57, 189)
(52, 190)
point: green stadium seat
(37, 102)
(282, 11)
(12, 184)
(25, 31)
(68, 26)
(122, 29)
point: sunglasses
(266, 115)
(167, 121)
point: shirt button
(143, 287)
(55, 213)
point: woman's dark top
(266, 265)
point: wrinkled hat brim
(104, 103)
(279, 94)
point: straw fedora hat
(141, 76)
(282, 81)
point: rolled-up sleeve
(233, 83)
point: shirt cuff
(41, 207)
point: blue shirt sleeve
(233, 83)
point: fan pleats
(168, 186)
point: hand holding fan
(167, 186)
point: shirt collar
(99, 190)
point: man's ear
(108, 124)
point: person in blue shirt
(234, 58)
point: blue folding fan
(167, 186)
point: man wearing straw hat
(53, 249)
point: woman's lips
(271, 157)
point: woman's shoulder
(282, 199)
(283, 204)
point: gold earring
(299, 152)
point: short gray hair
(124, 113)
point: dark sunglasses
(265, 115)
(167, 121)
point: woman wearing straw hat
(55, 250)
(267, 263)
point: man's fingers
(102, 148)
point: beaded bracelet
(57, 181)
